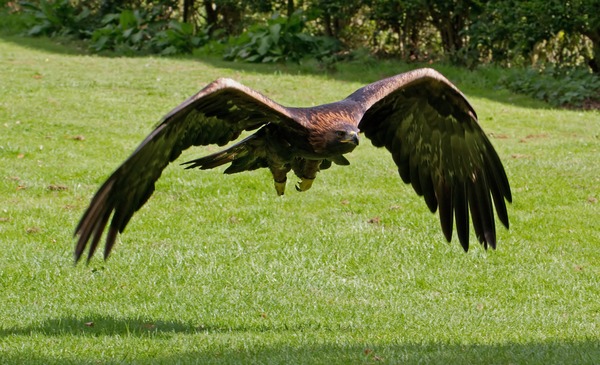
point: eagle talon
(280, 187)
(304, 184)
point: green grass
(218, 269)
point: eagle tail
(243, 156)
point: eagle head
(340, 139)
(347, 134)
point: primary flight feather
(421, 118)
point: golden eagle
(425, 122)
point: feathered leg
(280, 177)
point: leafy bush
(129, 31)
(281, 39)
(125, 31)
(57, 18)
(135, 31)
(179, 37)
(557, 86)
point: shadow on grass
(101, 326)
(318, 346)
(56, 46)
(581, 353)
(95, 325)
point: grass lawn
(218, 269)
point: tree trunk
(594, 63)
(188, 10)
(414, 38)
(212, 16)
(327, 24)
(232, 18)
(450, 23)
(449, 27)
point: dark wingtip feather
(428, 190)
(79, 247)
(445, 210)
(461, 215)
(76, 257)
(483, 214)
(93, 221)
(464, 242)
(110, 241)
(490, 239)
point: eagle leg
(279, 177)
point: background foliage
(551, 39)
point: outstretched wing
(439, 148)
(217, 114)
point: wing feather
(217, 114)
(446, 202)
(439, 147)
(461, 214)
(427, 189)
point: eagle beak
(351, 137)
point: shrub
(557, 86)
(145, 31)
(128, 31)
(179, 37)
(281, 39)
(57, 18)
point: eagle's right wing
(217, 114)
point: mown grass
(218, 269)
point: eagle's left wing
(439, 148)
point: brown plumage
(425, 122)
